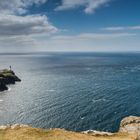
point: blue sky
(70, 25)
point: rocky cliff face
(7, 77)
(129, 130)
(131, 125)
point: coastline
(129, 130)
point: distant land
(7, 77)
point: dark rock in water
(3, 86)
(7, 77)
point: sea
(74, 91)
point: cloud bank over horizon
(122, 28)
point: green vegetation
(6, 72)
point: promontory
(7, 77)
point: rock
(15, 126)
(97, 133)
(131, 125)
(24, 125)
(2, 86)
(4, 127)
(7, 77)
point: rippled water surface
(75, 91)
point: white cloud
(121, 28)
(12, 25)
(90, 5)
(19, 30)
(134, 27)
(17, 6)
(94, 36)
(114, 28)
(17, 41)
(91, 42)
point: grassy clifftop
(129, 130)
(21, 132)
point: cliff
(129, 130)
(7, 77)
(131, 125)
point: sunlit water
(75, 91)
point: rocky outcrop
(131, 125)
(2, 85)
(7, 77)
(98, 133)
(15, 126)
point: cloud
(17, 41)
(134, 27)
(17, 6)
(12, 25)
(91, 42)
(94, 36)
(19, 30)
(90, 5)
(114, 28)
(121, 28)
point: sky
(69, 25)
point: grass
(29, 133)
(6, 73)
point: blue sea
(75, 91)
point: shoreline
(129, 130)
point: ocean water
(75, 91)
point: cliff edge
(131, 125)
(129, 130)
